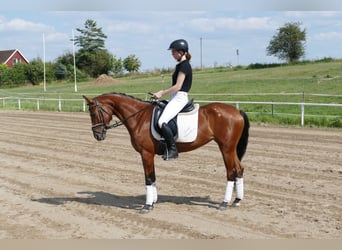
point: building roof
(5, 55)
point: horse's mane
(130, 96)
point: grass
(312, 82)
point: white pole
(73, 49)
(44, 62)
(302, 115)
(302, 109)
(201, 52)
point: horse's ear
(89, 100)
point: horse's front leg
(150, 181)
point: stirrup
(166, 156)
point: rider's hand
(158, 94)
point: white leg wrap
(155, 194)
(229, 191)
(239, 188)
(149, 194)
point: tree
(35, 71)
(4, 74)
(92, 57)
(67, 70)
(117, 67)
(94, 63)
(66, 59)
(18, 74)
(92, 38)
(131, 63)
(61, 71)
(288, 43)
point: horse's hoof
(223, 206)
(146, 209)
(236, 202)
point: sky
(215, 29)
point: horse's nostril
(99, 136)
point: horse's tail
(242, 145)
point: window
(16, 61)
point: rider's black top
(184, 67)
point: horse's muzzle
(100, 136)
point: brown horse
(223, 123)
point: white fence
(302, 105)
(54, 102)
(80, 104)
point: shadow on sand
(127, 202)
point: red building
(12, 57)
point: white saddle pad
(187, 124)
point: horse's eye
(92, 115)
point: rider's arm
(172, 89)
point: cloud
(175, 5)
(305, 14)
(225, 23)
(56, 36)
(129, 5)
(130, 27)
(18, 24)
(333, 35)
(302, 5)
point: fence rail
(80, 105)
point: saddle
(184, 125)
(158, 110)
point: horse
(223, 123)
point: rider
(181, 84)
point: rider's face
(176, 54)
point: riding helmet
(179, 44)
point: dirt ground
(58, 182)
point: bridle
(101, 112)
(102, 122)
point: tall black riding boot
(171, 148)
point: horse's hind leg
(234, 177)
(239, 186)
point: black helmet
(179, 44)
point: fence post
(302, 115)
(19, 103)
(59, 104)
(38, 104)
(272, 108)
(84, 105)
(237, 105)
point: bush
(12, 76)
(335, 123)
(263, 65)
(61, 71)
(4, 74)
(35, 72)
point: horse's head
(100, 118)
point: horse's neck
(125, 107)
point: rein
(116, 123)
